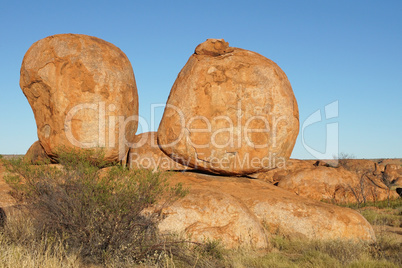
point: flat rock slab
(242, 211)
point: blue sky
(345, 51)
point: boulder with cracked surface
(322, 183)
(230, 111)
(244, 212)
(79, 88)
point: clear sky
(345, 51)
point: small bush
(99, 212)
(343, 158)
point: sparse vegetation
(369, 185)
(389, 217)
(343, 158)
(97, 213)
(78, 215)
(394, 204)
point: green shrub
(100, 212)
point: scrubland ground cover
(83, 214)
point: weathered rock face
(322, 183)
(36, 154)
(359, 166)
(276, 175)
(241, 211)
(392, 172)
(397, 186)
(318, 181)
(230, 111)
(379, 169)
(145, 153)
(6, 200)
(81, 89)
(384, 162)
(245, 212)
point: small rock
(36, 154)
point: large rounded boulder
(230, 111)
(83, 94)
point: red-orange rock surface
(379, 169)
(358, 166)
(230, 111)
(241, 211)
(396, 161)
(6, 200)
(318, 181)
(145, 153)
(321, 183)
(80, 89)
(245, 212)
(277, 174)
(392, 172)
(36, 154)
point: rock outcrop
(82, 92)
(6, 200)
(322, 183)
(230, 111)
(395, 161)
(145, 153)
(392, 172)
(36, 154)
(319, 181)
(241, 211)
(277, 174)
(359, 166)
